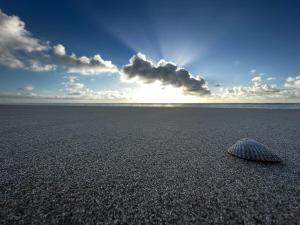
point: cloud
(167, 73)
(59, 50)
(83, 65)
(37, 66)
(20, 50)
(27, 88)
(256, 79)
(16, 40)
(259, 87)
(74, 89)
(255, 90)
(293, 82)
(271, 78)
(260, 91)
(9, 60)
(25, 92)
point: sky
(149, 51)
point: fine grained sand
(127, 165)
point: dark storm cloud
(166, 72)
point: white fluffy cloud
(293, 82)
(14, 35)
(83, 65)
(20, 50)
(14, 38)
(59, 50)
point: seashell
(252, 150)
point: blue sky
(231, 51)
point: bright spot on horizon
(156, 93)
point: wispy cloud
(27, 88)
(271, 78)
(259, 90)
(256, 79)
(74, 89)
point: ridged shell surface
(252, 150)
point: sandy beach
(139, 165)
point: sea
(181, 105)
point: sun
(157, 93)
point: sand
(127, 165)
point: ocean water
(211, 105)
(187, 105)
